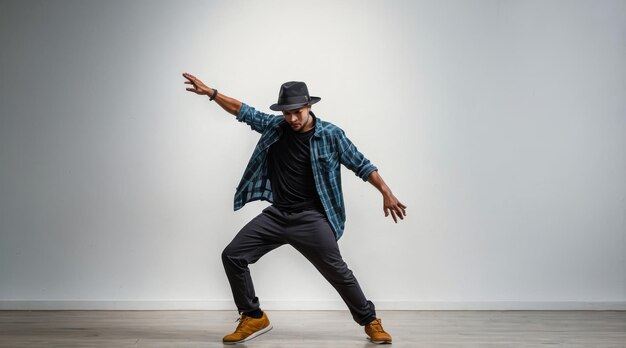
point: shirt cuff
(243, 111)
(366, 171)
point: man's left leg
(310, 233)
(313, 237)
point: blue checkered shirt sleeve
(354, 160)
(257, 120)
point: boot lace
(242, 319)
(376, 326)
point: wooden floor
(315, 329)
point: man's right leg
(261, 235)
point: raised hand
(198, 86)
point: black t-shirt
(290, 171)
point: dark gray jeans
(308, 232)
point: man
(296, 167)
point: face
(299, 119)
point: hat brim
(278, 107)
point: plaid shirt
(329, 148)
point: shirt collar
(318, 126)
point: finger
(386, 210)
(397, 212)
(393, 214)
(400, 209)
(403, 207)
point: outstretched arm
(390, 202)
(362, 167)
(231, 105)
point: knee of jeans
(343, 276)
(226, 255)
(229, 257)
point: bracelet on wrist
(213, 95)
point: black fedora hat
(292, 95)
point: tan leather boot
(248, 329)
(376, 332)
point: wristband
(213, 95)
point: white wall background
(500, 124)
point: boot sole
(379, 342)
(253, 335)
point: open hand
(393, 206)
(198, 86)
